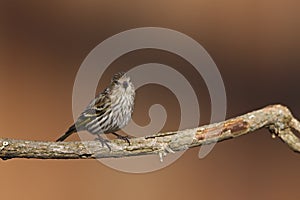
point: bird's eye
(116, 82)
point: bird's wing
(96, 109)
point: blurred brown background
(255, 45)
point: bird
(108, 112)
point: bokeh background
(255, 45)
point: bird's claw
(125, 138)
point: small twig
(277, 118)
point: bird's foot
(103, 142)
(122, 137)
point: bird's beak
(125, 84)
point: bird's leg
(103, 141)
(126, 138)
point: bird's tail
(71, 130)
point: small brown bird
(109, 112)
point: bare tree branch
(277, 118)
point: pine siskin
(109, 112)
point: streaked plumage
(109, 112)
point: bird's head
(122, 82)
